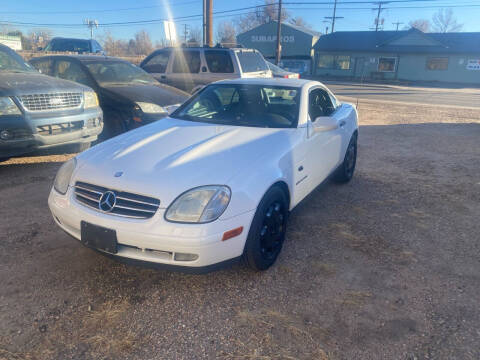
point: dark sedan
(129, 97)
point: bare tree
(444, 21)
(195, 36)
(260, 15)
(39, 38)
(299, 21)
(112, 46)
(226, 33)
(141, 45)
(419, 24)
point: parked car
(191, 68)
(215, 181)
(278, 72)
(79, 46)
(128, 95)
(38, 111)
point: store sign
(473, 64)
(272, 38)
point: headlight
(91, 99)
(149, 108)
(63, 176)
(199, 205)
(8, 107)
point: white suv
(190, 68)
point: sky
(65, 17)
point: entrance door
(359, 67)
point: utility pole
(185, 33)
(377, 22)
(397, 24)
(279, 27)
(91, 24)
(204, 22)
(334, 13)
(209, 27)
(332, 20)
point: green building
(399, 55)
(297, 44)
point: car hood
(16, 84)
(168, 157)
(156, 94)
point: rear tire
(267, 232)
(345, 171)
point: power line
(101, 10)
(220, 13)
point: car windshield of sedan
(243, 105)
(118, 72)
(12, 63)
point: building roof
(408, 41)
(310, 32)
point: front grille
(53, 101)
(126, 204)
(57, 129)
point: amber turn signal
(232, 233)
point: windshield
(118, 72)
(243, 105)
(11, 62)
(275, 68)
(251, 61)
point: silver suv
(190, 68)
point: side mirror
(204, 69)
(324, 123)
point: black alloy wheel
(267, 232)
(345, 171)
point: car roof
(64, 38)
(270, 82)
(83, 58)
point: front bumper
(28, 136)
(155, 240)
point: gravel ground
(385, 267)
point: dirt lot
(386, 267)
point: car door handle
(342, 123)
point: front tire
(345, 171)
(267, 232)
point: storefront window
(325, 61)
(387, 64)
(338, 62)
(342, 62)
(437, 63)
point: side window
(219, 61)
(44, 66)
(334, 100)
(319, 104)
(71, 71)
(158, 63)
(186, 62)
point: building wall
(412, 67)
(295, 43)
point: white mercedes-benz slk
(212, 183)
